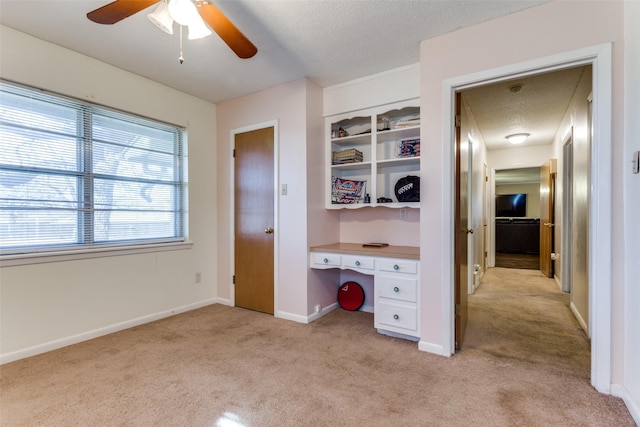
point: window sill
(78, 254)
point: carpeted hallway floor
(525, 362)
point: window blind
(74, 174)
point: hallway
(521, 315)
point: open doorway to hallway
(545, 108)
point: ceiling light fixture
(185, 13)
(515, 88)
(517, 138)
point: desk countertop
(406, 252)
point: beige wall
(48, 305)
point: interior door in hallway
(254, 220)
(547, 206)
(461, 230)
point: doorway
(516, 226)
(254, 219)
(599, 202)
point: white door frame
(276, 208)
(600, 57)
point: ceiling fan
(210, 14)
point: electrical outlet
(198, 278)
(403, 213)
(318, 308)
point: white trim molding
(600, 57)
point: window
(76, 175)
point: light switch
(283, 189)
(636, 162)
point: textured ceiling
(537, 108)
(328, 41)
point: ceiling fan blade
(227, 31)
(118, 10)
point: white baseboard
(432, 348)
(366, 308)
(224, 301)
(580, 319)
(85, 336)
(620, 391)
(558, 282)
(306, 319)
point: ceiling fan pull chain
(181, 58)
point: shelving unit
(377, 133)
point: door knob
(468, 230)
(268, 230)
(548, 224)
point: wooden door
(547, 196)
(254, 220)
(461, 230)
(485, 217)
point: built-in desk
(396, 277)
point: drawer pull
(357, 263)
(396, 317)
(396, 289)
(396, 267)
(325, 261)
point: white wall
(484, 47)
(575, 123)
(45, 306)
(630, 341)
(519, 157)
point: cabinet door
(325, 260)
(358, 262)
(397, 317)
(397, 265)
(397, 287)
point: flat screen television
(511, 205)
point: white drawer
(358, 262)
(397, 316)
(319, 259)
(397, 288)
(398, 265)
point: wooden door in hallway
(547, 205)
(461, 230)
(254, 220)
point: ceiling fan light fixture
(517, 138)
(184, 12)
(198, 30)
(161, 18)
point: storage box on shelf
(382, 145)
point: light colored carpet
(525, 362)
